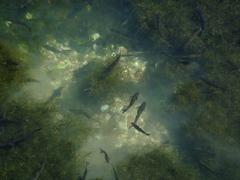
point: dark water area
(119, 89)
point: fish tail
(124, 109)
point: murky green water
(69, 68)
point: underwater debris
(106, 157)
(133, 99)
(140, 110)
(28, 16)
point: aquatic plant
(157, 164)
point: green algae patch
(156, 164)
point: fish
(25, 4)
(201, 19)
(213, 84)
(19, 140)
(126, 20)
(140, 111)
(4, 122)
(123, 34)
(39, 172)
(109, 68)
(133, 99)
(84, 174)
(56, 93)
(107, 159)
(22, 24)
(79, 6)
(139, 129)
(115, 173)
(30, 80)
(80, 111)
(55, 50)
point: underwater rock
(104, 107)
(95, 36)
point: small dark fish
(231, 65)
(107, 159)
(80, 111)
(39, 172)
(22, 24)
(56, 93)
(213, 84)
(133, 99)
(139, 129)
(25, 4)
(140, 111)
(19, 140)
(201, 19)
(76, 8)
(203, 165)
(29, 80)
(109, 68)
(87, 90)
(7, 123)
(115, 173)
(55, 50)
(191, 38)
(123, 34)
(84, 174)
(126, 20)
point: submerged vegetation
(157, 164)
(182, 55)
